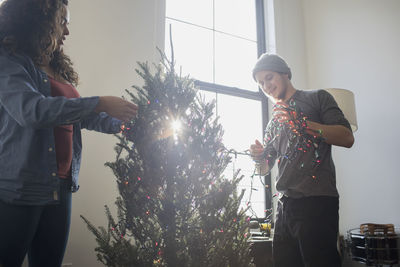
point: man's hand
(257, 151)
(117, 107)
(284, 114)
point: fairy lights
(295, 128)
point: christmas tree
(176, 208)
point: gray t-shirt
(305, 165)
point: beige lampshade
(345, 101)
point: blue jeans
(40, 231)
(306, 232)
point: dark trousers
(40, 231)
(306, 232)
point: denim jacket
(28, 114)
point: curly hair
(28, 26)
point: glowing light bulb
(176, 126)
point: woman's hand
(117, 107)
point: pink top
(63, 133)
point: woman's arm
(117, 107)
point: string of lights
(248, 202)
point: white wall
(107, 39)
(354, 44)
(290, 39)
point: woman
(41, 115)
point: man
(303, 128)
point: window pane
(254, 195)
(193, 50)
(193, 11)
(234, 61)
(241, 121)
(225, 56)
(236, 17)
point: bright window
(216, 43)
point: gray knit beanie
(271, 62)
